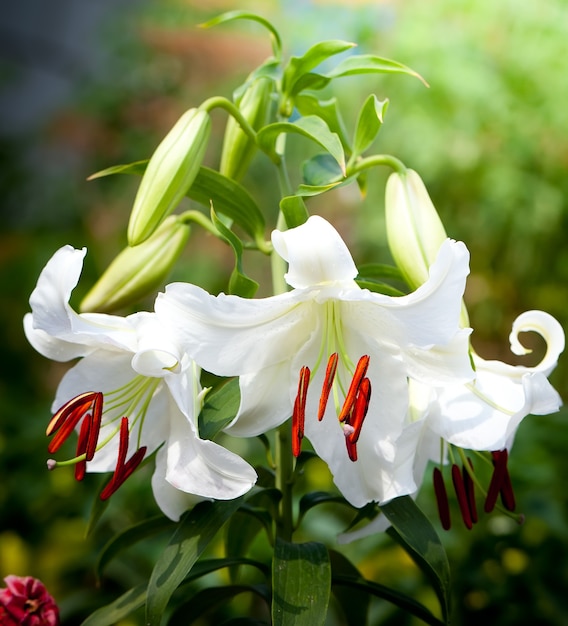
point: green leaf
(231, 199)
(228, 196)
(239, 283)
(370, 64)
(413, 530)
(193, 535)
(121, 608)
(310, 126)
(320, 170)
(309, 500)
(294, 210)
(231, 16)
(220, 407)
(129, 537)
(301, 582)
(207, 599)
(354, 602)
(369, 123)
(379, 287)
(380, 270)
(391, 595)
(327, 110)
(299, 66)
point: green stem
(218, 102)
(199, 218)
(285, 481)
(374, 161)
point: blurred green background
(490, 139)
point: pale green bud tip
(169, 174)
(414, 229)
(138, 270)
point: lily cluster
(380, 385)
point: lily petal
(316, 254)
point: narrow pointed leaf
(390, 595)
(354, 602)
(131, 536)
(413, 530)
(310, 126)
(298, 66)
(211, 597)
(239, 283)
(193, 535)
(294, 210)
(369, 123)
(301, 581)
(309, 500)
(321, 169)
(231, 16)
(220, 407)
(370, 64)
(228, 196)
(327, 110)
(121, 608)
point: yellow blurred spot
(476, 599)
(14, 555)
(515, 561)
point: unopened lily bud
(414, 229)
(238, 147)
(169, 174)
(138, 270)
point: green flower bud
(138, 270)
(238, 147)
(414, 229)
(169, 174)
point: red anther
(63, 423)
(507, 493)
(360, 409)
(299, 412)
(123, 468)
(497, 479)
(442, 499)
(78, 405)
(351, 448)
(327, 383)
(82, 442)
(470, 490)
(462, 496)
(360, 372)
(95, 427)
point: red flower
(25, 602)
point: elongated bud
(169, 174)
(238, 147)
(138, 270)
(414, 229)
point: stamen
(68, 416)
(462, 496)
(123, 468)
(442, 499)
(360, 372)
(82, 443)
(327, 383)
(83, 401)
(95, 427)
(469, 490)
(497, 479)
(360, 409)
(299, 413)
(507, 494)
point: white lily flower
(272, 342)
(482, 415)
(142, 374)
